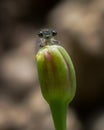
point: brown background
(80, 27)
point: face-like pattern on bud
(56, 74)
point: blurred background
(80, 27)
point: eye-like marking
(40, 34)
(54, 33)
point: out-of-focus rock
(73, 123)
(85, 22)
(96, 121)
(13, 116)
(18, 71)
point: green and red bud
(57, 81)
(56, 74)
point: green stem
(59, 111)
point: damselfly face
(47, 33)
(47, 37)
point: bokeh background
(80, 27)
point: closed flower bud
(56, 74)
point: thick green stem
(59, 110)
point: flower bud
(56, 74)
(57, 80)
